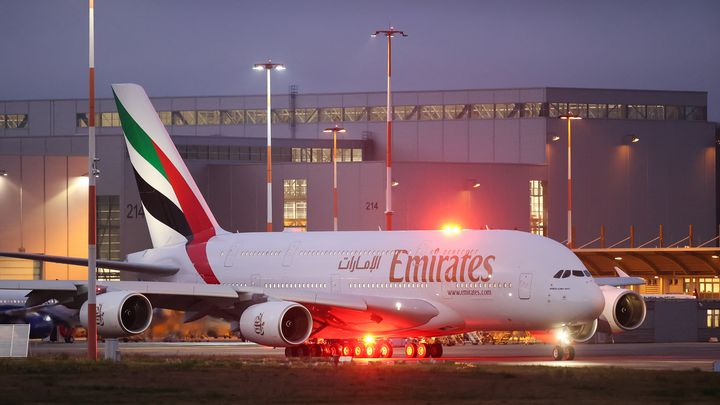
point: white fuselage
(478, 280)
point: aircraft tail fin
(175, 210)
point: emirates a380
(323, 293)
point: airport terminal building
(641, 161)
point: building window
(655, 112)
(713, 318)
(431, 112)
(597, 110)
(14, 120)
(255, 116)
(482, 111)
(534, 110)
(109, 119)
(331, 114)
(405, 112)
(578, 110)
(557, 109)
(295, 204)
(211, 117)
(616, 111)
(165, 117)
(674, 112)
(692, 113)
(232, 117)
(355, 114)
(306, 115)
(636, 112)
(108, 233)
(537, 208)
(510, 110)
(378, 113)
(457, 111)
(281, 116)
(183, 118)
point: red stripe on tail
(200, 224)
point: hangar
(644, 173)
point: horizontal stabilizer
(149, 269)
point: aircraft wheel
(347, 350)
(570, 353)
(558, 353)
(290, 352)
(315, 350)
(422, 350)
(302, 351)
(357, 350)
(410, 350)
(436, 350)
(334, 350)
(385, 349)
(70, 339)
(371, 351)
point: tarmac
(651, 356)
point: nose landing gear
(566, 353)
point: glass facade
(713, 318)
(295, 204)
(538, 212)
(108, 233)
(435, 112)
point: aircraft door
(524, 286)
(336, 284)
(290, 254)
(231, 254)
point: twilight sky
(189, 48)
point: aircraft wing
(342, 311)
(622, 279)
(150, 269)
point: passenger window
(558, 274)
(578, 273)
(566, 274)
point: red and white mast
(388, 155)
(92, 171)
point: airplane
(47, 321)
(331, 293)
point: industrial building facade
(477, 158)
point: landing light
(563, 336)
(451, 229)
(398, 305)
(368, 339)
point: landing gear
(352, 348)
(422, 350)
(410, 350)
(560, 353)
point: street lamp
(389, 33)
(569, 117)
(268, 66)
(335, 131)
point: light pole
(335, 131)
(268, 66)
(92, 169)
(389, 33)
(569, 117)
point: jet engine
(582, 332)
(276, 323)
(120, 313)
(624, 309)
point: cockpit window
(587, 273)
(578, 273)
(566, 274)
(558, 274)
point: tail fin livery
(175, 210)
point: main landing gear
(356, 348)
(563, 353)
(423, 350)
(352, 348)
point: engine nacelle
(581, 333)
(276, 323)
(624, 309)
(120, 313)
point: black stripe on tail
(161, 208)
